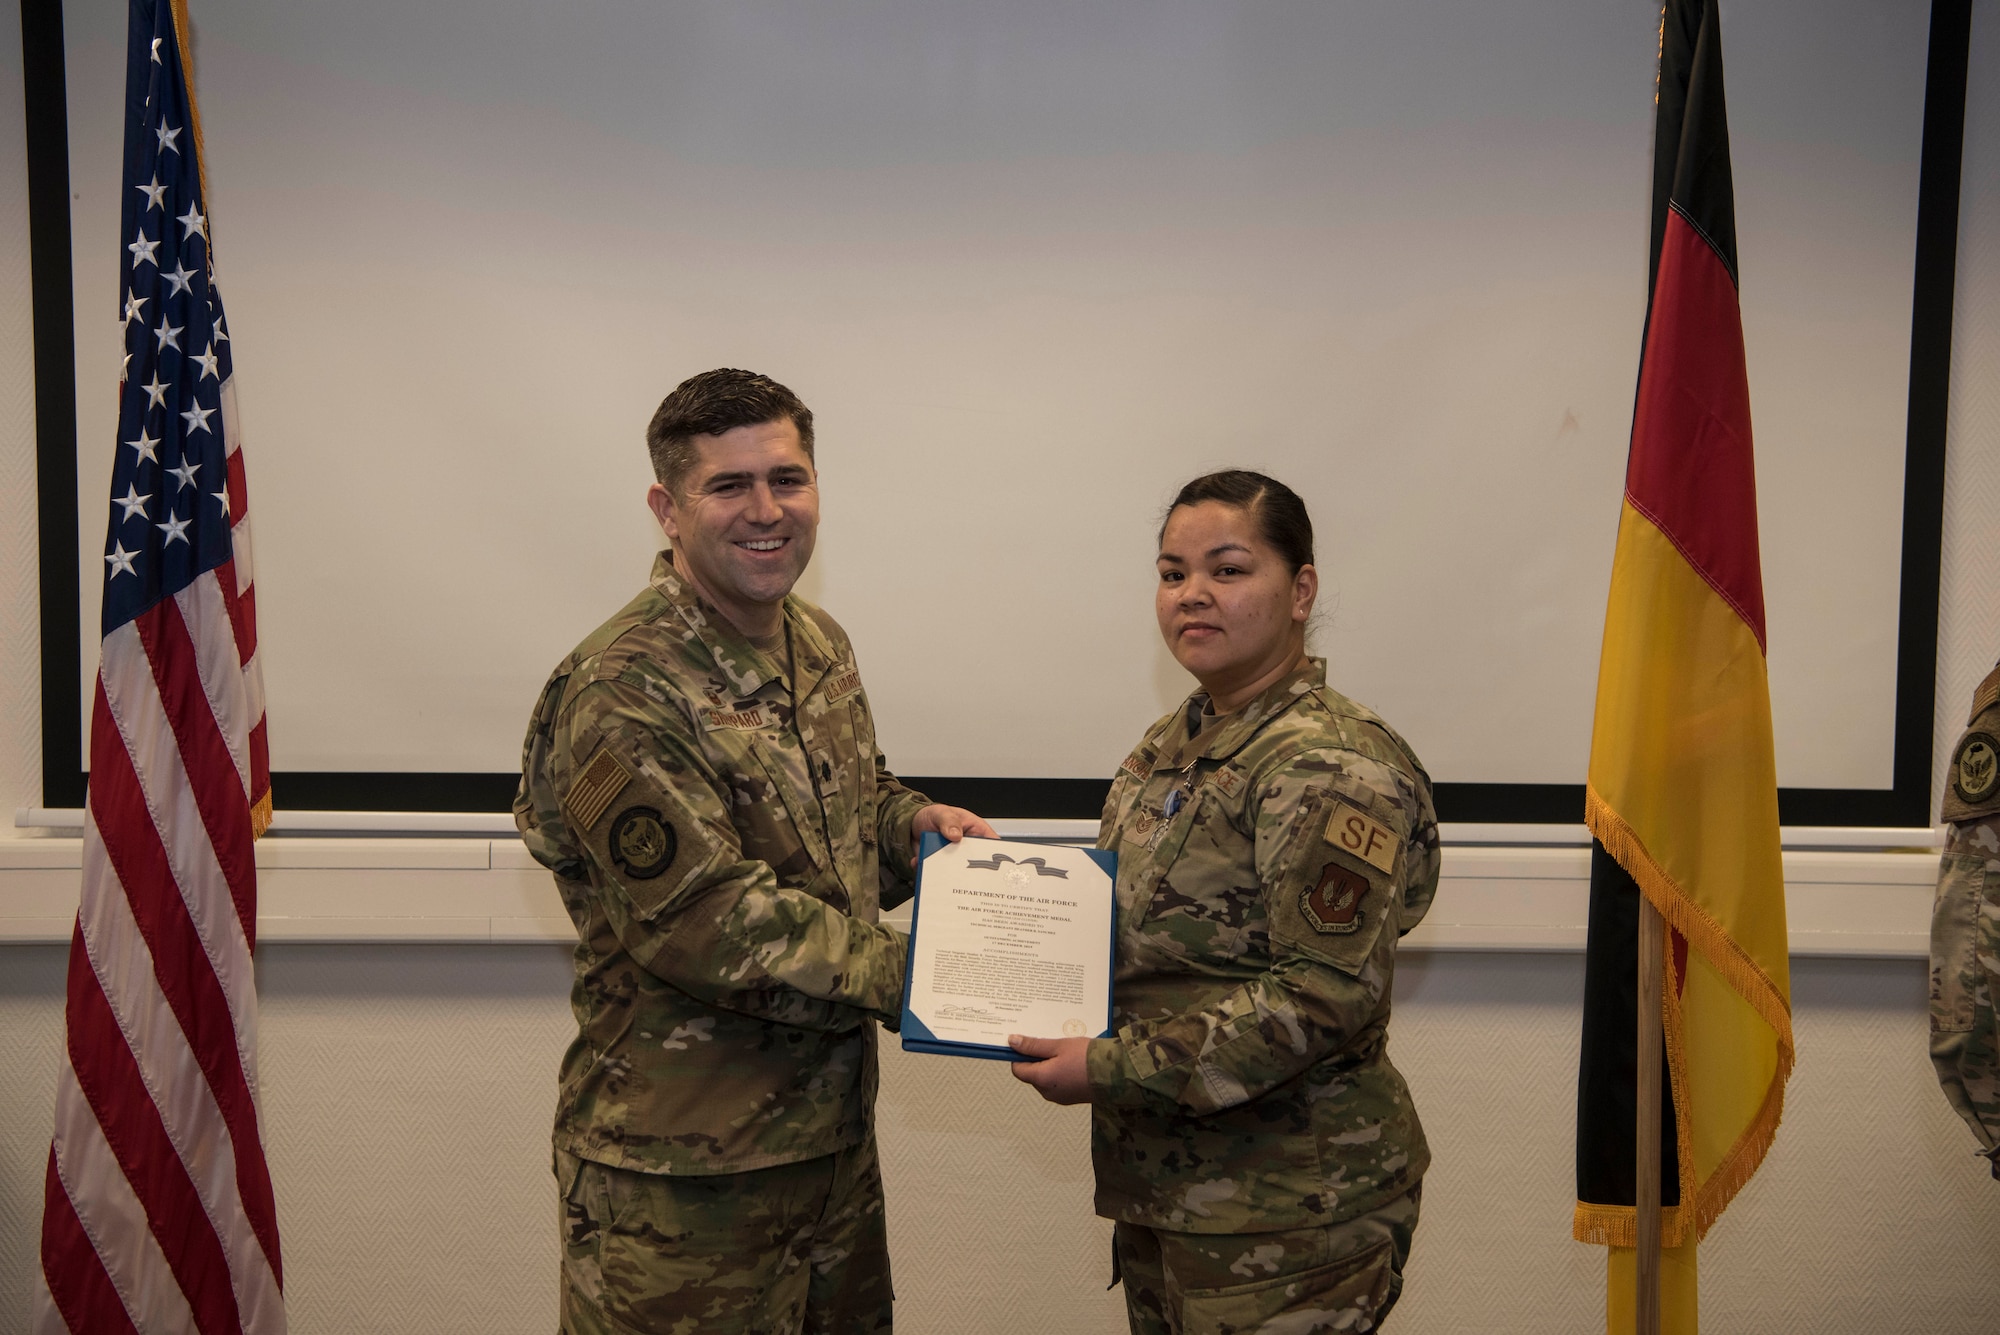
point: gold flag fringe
(182, 33)
(1617, 1225)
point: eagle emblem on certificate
(1018, 874)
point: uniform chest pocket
(773, 808)
(1202, 876)
(1336, 887)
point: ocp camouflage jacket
(1247, 1087)
(721, 837)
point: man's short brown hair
(712, 403)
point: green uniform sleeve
(1337, 835)
(1965, 977)
(653, 824)
(896, 807)
(537, 812)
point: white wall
(409, 1091)
(410, 1088)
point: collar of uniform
(745, 667)
(1232, 734)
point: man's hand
(1061, 1073)
(954, 823)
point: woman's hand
(954, 823)
(1061, 1073)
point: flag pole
(1646, 1136)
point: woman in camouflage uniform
(1259, 1153)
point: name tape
(742, 720)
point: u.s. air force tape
(642, 842)
(843, 687)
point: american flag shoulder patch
(602, 780)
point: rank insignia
(642, 843)
(1975, 770)
(1334, 905)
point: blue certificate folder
(917, 1036)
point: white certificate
(1008, 938)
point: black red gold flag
(1682, 798)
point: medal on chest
(1183, 789)
(1148, 823)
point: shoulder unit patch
(642, 842)
(1334, 904)
(1975, 769)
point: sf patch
(1334, 904)
(642, 842)
(1355, 831)
(1975, 770)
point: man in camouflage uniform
(1965, 927)
(1260, 1154)
(701, 776)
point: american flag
(158, 1213)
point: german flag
(1683, 798)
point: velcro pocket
(1339, 882)
(1955, 933)
(1345, 1295)
(1972, 781)
(644, 837)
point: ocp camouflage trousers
(1343, 1277)
(799, 1249)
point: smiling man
(701, 776)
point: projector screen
(1033, 266)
